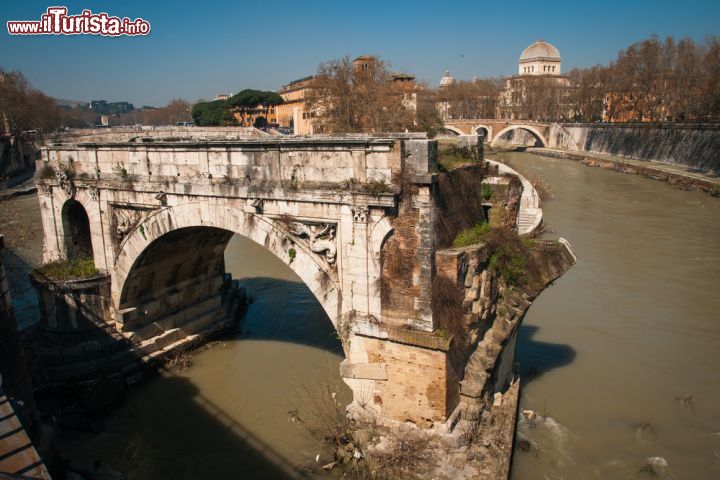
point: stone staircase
(526, 219)
(88, 356)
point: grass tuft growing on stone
(470, 236)
(83, 267)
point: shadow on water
(172, 441)
(537, 358)
(274, 312)
(168, 427)
(25, 300)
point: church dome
(540, 50)
(447, 79)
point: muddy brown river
(230, 415)
(621, 355)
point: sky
(197, 49)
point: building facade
(539, 91)
(292, 113)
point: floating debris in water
(653, 466)
(686, 402)
(643, 430)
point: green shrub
(510, 264)
(486, 191)
(471, 236)
(82, 267)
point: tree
(655, 80)
(25, 107)
(475, 99)
(212, 114)
(427, 117)
(248, 101)
(589, 97)
(347, 98)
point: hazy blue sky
(200, 48)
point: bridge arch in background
(528, 128)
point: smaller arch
(487, 130)
(529, 128)
(76, 230)
(452, 129)
(379, 232)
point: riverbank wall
(696, 146)
(678, 176)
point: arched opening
(179, 281)
(187, 261)
(76, 230)
(485, 132)
(519, 136)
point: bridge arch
(483, 128)
(452, 129)
(528, 128)
(189, 239)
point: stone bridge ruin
(365, 222)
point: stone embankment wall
(694, 146)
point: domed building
(539, 91)
(447, 79)
(540, 58)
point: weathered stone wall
(74, 305)
(153, 133)
(417, 382)
(492, 314)
(294, 164)
(695, 146)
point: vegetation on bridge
(77, 268)
(450, 156)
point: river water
(622, 354)
(230, 414)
